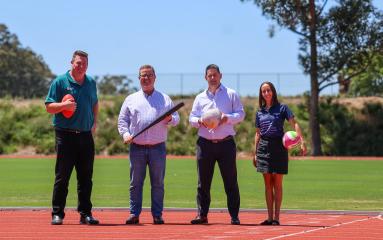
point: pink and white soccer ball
(291, 139)
(211, 118)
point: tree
(23, 73)
(114, 84)
(346, 35)
(370, 82)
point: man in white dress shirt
(148, 149)
(217, 145)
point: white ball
(211, 118)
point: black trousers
(73, 150)
(225, 154)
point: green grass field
(310, 184)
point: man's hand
(168, 118)
(94, 128)
(69, 105)
(200, 122)
(128, 139)
(223, 120)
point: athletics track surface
(26, 223)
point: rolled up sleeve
(124, 119)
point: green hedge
(345, 131)
(358, 133)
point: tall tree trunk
(316, 148)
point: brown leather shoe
(199, 220)
(132, 220)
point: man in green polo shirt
(74, 136)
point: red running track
(35, 224)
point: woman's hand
(255, 161)
(303, 149)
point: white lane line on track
(322, 228)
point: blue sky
(173, 36)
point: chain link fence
(246, 84)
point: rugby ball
(291, 139)
(211, 118)
(67, 113)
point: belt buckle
(215, 141)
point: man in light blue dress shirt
(148, 149)
(217, 145)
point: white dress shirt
(227, 101)
(139, 110)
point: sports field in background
(310, 184)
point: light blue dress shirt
(139, 110)
(227, 101)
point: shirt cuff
(194, 122)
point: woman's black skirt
(272, 156)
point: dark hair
(212, 66)
(145, 67)
(262, 101)
(79, 53)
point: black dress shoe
(235, 221)
(88, 219)
(57, 220)
(158, 220)
(199, 220)
(275, 222)
(132, 220)
(267, 222)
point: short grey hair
(147, 66)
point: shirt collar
(146, 95)
(70, 79)
(219, 89)
(273, 106)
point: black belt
(70, 130)
(219, 140)
(147, 145)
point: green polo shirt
(85, 96)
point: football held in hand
(67, 113)
(211, 118)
